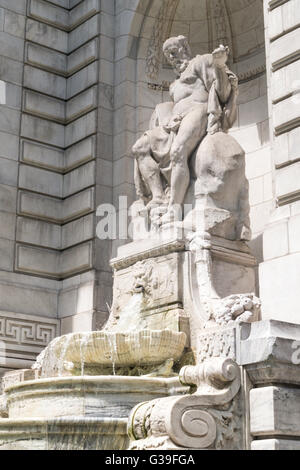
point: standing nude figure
(203, 101)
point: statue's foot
(156, 202)
(172, 215)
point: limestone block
(42, 155)
(106, 48)
(124, 5)
(294, 143)
(294, 234)
(9, 146)
(284, 112)
(284, 18)
(104, 172)
(107, 24)
(55, 210)
(79, 204)
(38, 233)
(44, 82)
(83, 12)
(12, 46)
(77, 300)
(51, 14)
(106, 72)
(125, 70)
(23, 294)
(48, 59)
(81, 104)
(76, 259)
(281, 149)
(78, 231)
(9, 120)
(42, 207)
(103, 254)
(11, 70)
(13, 95)
(8, 198)
(83, 33)
(275, 411)
(44, 106)
(258, 163)
(42, 181)
(8, 172)
(284, 80)
(43, 130)
(19, 6)
(61, 3)
(256, 191)
(253, 111)
(123, 143)
(8, 225)
(124, 94)
(283, 306)
(6, 254)
(53, 263)
(275, 241)
(82, 80)
(73, 3)
(82, 56)
(123, 171)
(106, 120)
(46, 35)
(105, 146)
(249, 138)
(284, 47)
(14, 24)
(81, 128)
(80, 322)
(287, 180)
(275, 444)
(80, 152)
(37, 261)
(108, 7)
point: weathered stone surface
(53, 61)
(48, 13)
(82, 56)
(45, 82)
(275, 411)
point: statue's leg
(191, 132)
(149, 168)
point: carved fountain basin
(144, 347)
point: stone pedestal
(73, 413)
(247, 395)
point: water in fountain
(130, 316)
(113, 349)
(61, 359)
(83, 347)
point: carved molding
(163, 248)
(24, 336)
(189, 421)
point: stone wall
(279, 274)
(56, 160)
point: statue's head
(177, 52)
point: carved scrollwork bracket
(187, 421)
